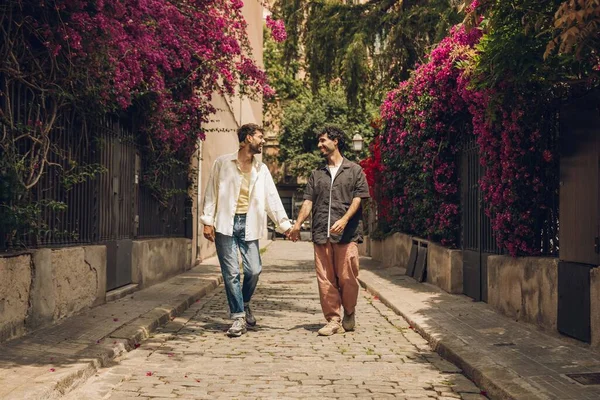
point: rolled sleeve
(361, 188)
(309, 189)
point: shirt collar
(343, 165)
(255, 161)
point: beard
(255, 149)
(326, 151)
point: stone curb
(123, 339)
(140, 328)
(499, 384)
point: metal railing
(90, 190)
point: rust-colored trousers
(336, 265)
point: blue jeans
(227, 251)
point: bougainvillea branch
(166, 58)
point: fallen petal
(52, 370)
(149, 373)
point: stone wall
(525, 288)
(43, 286)
(65, 281)
(15, 286)
(156, 260)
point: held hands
(209, 232)
(293, 233)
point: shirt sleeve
(361, 187)
(211, 196)
(273, 204)
(309, 188)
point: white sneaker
(332, 327)
(238, 328)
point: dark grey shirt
(349, 182)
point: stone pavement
(52, 360)
(282, 357)
(508, 359)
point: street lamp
(357, 142)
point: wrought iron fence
(477, 231)
(90, 191)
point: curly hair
(247, 129)
(334, 132)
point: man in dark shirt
(334, 193)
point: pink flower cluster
(277, 28)
(427, 119)
(169, 56)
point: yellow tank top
(243, 198)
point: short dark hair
(247, 129)
(334, 132)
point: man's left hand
(339, 226)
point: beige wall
(221, 137)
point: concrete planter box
(376, 247)
(445, 268)
(525, 288)
(364, 248)
(393, 251)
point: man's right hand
(209, 232)
(294, 235)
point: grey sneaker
(332, 327)
(238, 328)
(349, 322)
(250, 320)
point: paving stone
(282, 357)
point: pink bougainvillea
(277, 28)
(166, 58)
(427, 119)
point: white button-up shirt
(223, 190)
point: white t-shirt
(333, 170)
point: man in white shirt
(239, 196)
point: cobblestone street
(282, 357)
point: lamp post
(357, 142)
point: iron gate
(117, 200)
(477, 237)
